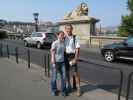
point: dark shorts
(68, 58)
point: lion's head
(83, 9)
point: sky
(108, 11)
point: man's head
(68, 29)
(60, 35)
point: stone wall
(79, 29)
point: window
(130, 41)
(39, 34)
(33, 35)
(51, 35)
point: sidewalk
(17, 82)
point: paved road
(92, 72)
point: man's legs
(68, 81)
(76, 76)
(69, 88)
(74, 82)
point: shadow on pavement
(89, 87)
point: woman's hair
(58, 33)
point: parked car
(39, 39)
(122, 50)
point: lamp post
(100, 29)
(36, 21)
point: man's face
(68, 30)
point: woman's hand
(52, 56)
(52, 61)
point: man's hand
(73, 62)
(77, 54)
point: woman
(58, 65)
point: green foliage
(3, 35)
(130, 6)
(126, 27)
(112, 33)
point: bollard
(48, 65)
(45, 65)
(16, 53)
(129, 85)
(28, 56)
(1, 49)
(120, 85)
(8, 53)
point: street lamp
(100, 30)
(36, 20)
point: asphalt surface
(92, 67)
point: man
(71, 57)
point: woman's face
(61, 36)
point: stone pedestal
(83, 27)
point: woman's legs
(53, 79)
(63, 78)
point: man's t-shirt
(70, 45)
(59, 48)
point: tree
(130, 5)
(126, 27)
(3, 35)
(2, 23)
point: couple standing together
(64, 57)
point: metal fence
(24, 54)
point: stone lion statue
(81, 10)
